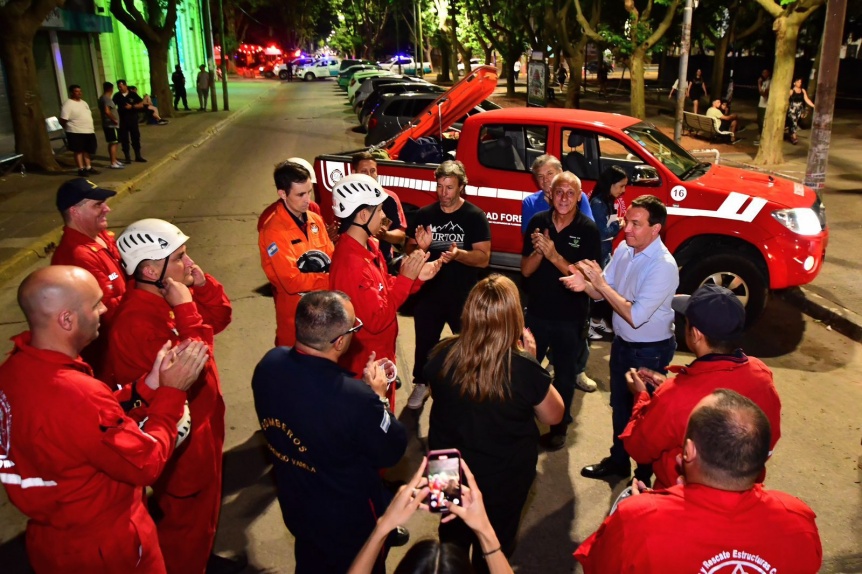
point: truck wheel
(282, 75)
(733, 272)
(309, 76)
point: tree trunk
(576, 65)
(445, 59)
(28, 118)
(511, 57)
(638, 105)
(157, 54)
(771, 150)
(718, 62)
(453, 51)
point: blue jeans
(624, 356)
(566, 342)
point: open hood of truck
(446, 109)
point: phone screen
(444, 479)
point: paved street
(215, 190)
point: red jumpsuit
(656, 430)
(77, 249)
(189, 491)
(361, 273)
(75, 464)
(697, 529)
(281, 244)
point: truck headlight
(801, 220)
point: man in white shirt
(77, 119)
(724, 121)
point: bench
(9, 162)
(695, 123)
(55, 133)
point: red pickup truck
(744, 230)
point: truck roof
(553, 115)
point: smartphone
(444, 479)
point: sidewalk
(833, 297)
(30, 225)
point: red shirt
(72, 461)
(697, 529)
(144, 322)
(79, 250)
(361, 273)
(656, 431)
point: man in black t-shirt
(394, 232)
(129, 104)
(558, 317)
(457, 232)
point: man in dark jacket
(129, 104)
(178, 79)
(328, 435)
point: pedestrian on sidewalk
(110, 123)
(203, 84)
(77, 119)
(763, 83)
(797, 110)
(697, 90)
(178, 79)
(129, 104)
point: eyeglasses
(354, 329)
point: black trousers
(129, 130)
(180, 94)
(430, 314)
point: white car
(323, 68)
(473, 63)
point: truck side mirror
(645, 175)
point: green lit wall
(125, 56)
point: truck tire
(309, 76)
(734, 272)
(282, 75)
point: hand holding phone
(444, 479)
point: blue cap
(715, 311)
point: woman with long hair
(796, 108)
(609, 189)
(487, 390)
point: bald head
(62, 305)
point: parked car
(473, 63)
(346, 63)
(345, 76)
(323, 68)
(359, 78)
(280, 69)
(404, 65)
(371, 85)
(396, 111)
(744, 230)
(373, 100)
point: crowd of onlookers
(115, 387)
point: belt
(639, 345)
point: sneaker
(585, 383)
(418, 396)
(82, 173)
(595, 335)
(139, 159)
(117, 165)
(601, 326)
(92, 171)
(162, 122)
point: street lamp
(690, 5)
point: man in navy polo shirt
(328, 435)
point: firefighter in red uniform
(173, 299)
(70, 458)
(715, 317)
(720, 520)
(88, 244)
(359, 270)
(295, 249)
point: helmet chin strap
(159, 283)
(364, 226)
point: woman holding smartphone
(487, 389)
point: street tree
(500, 24)
(726, 25)
(644, 29)
(787, 18)
(155, 26)
(19, 22)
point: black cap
(715, 311)
(76, 190)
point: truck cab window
(511, 147)
(612, 152)
(579, 153)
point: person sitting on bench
(724, 120)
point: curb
(41, 247)
(832, 315)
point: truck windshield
(662, 147)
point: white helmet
(353, 191)
(148, 239)
(304, 163)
